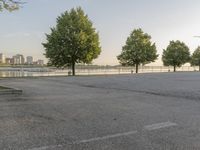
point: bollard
(69, 73)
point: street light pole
(198, 59)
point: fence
(86, 70)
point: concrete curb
(11, 91)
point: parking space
(146, 111)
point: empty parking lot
(120, 112)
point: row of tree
(75, 40)
(139, 50)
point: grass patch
(7, 91)
(4, 88)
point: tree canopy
(138, 50)
(10, 5)
(195, 58)
(73, 40)
(176, 54)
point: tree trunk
(73, 68)
(136, 68)
(174, 68)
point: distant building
(29, 60)
(35, 63)
(40, 62)
(2, 58)
(9, 60)
(18, 59)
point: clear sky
(23, 31)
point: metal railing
(86, 70)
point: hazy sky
(23, 31)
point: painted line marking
(88, 140)
(147, 127)
(159, 126)
(108, 137)
(47, 147)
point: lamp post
(196, 58)
(198, 62)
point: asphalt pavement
(158, 111)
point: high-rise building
(9, 61)
(40, 62)
(18, 59)
(2, 58)
(29, 60)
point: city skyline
(164, 21)
(20, 59)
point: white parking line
(159, 126)
(89, 140)
(147, 127)
(108, 137)
(47, 147)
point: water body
(45, 71)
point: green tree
(195, 59)
(176, 54)
(138, 50)
(10, 5)
(73, 40)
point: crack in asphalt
(142, 91)
(129, 90)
